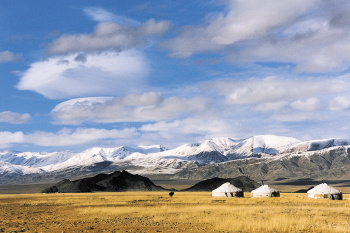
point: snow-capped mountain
(262, 145)
(49, 161)
(185, 159)
(34, 158)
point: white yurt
(265, 191)
(227, 190)
(325, 191)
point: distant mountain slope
(329, 163)
(209, 185)
(117, 181)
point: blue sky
(77, 74)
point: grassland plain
(157, 212)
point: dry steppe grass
(157, 212)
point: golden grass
(184, 212)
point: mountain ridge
(262, 156)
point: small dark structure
(171, 194)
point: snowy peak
(226, 142)
(216, 144)
(118, 152)
(211, 150)
(271, 144)
(262, 144)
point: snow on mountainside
(8, 168)
(212, 150)
(327, 143)
(267, 145)
(34, 158)
(315, 145)
(156, 159)
(57, 160)
(99, 155)
(225, 142)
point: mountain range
(259, 157)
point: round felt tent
(265, 191)
(325, 191)
(227, 190)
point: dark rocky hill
(241, 182)
(114, 182)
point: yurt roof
(227, 187)
(264, 189)
(323, 188)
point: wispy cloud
(340, 103)
(65, 137)
(192, 129)
(311, 34)
(244, 20)
(7, 56)
(131, 108)
(307, 105)
(102, 15)
(256, 91)
(109, 36)
(14, 117)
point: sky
(79, 74)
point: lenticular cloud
(108, 73)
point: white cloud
(308, 105)
(274, 89)
(107, 73)
(8, 138)
(109, 36)
(195, 125)
(131, 108)
(298, 116)
(106, 36)
(152, 27)
(320, 48)
(312, 34)
(108, 61)
(102, 15)
(14, 117)
(243, 20)
(249, 18)
(270, 106)
(79, 136)
(340, 103)
(161, 126)
(65, 137)
(192, 129)
(7, 56)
